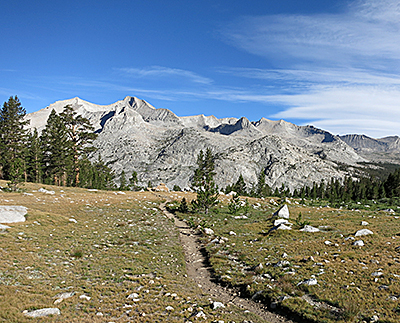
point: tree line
(57, 156)
(334, 190)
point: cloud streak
(338, 71)
(162, 72)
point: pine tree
(12, 142)
(102, 175)
(57, 151)
(240, 186)
(34, 158)
(133, 180)
(123, 184)
(80, 134)
(183, 206)
(203, 182)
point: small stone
(377, 274)
(364, 223)
(133, 296)
(284, 227)
(327, 242)
(208, 231)
(72, 220)
(4, 227)
(231, 233)
(85, 297)
(216, 305)
(358, 243)
(309, 228)
(281, 221)
(309, 282)
(169, 308)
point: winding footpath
(200, 273)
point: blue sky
(333, 64)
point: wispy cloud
(355, 37)
(162, 72)
(339, 71)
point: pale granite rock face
(162, 147)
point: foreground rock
(12, 214)
(43, 312)
(363, 232)
(283, 212)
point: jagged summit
(162, 147)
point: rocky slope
(162, 147)
(385, 149)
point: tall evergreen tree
(240, 186)
(57, 151)
(34, 157)
(123, 184)
(102, 175)
(133, 180)
(203, 182)
(80, 134)
(13, 137)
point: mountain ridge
(160, 146)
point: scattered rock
(161, 188)
(85, 297)
(282, 263)
(283, 227)
(43, 190)
(364, 223)
(200, 315)
(208, 231)
(4, 227)
(12, 213)
(309, 228)
(281, 221)
(43, 312)
(309, 282)
(363, 232)
(358, 243)
(216, 305)
(61, 297)
(283, 212)
(377, 274)
(133, 296)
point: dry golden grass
(347, 289)
(103, 245)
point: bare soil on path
(200, 272)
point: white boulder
(363, 232)
(43, 312)
(283, 212)
(12, 213)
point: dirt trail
(199, 271)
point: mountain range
(163, 147)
